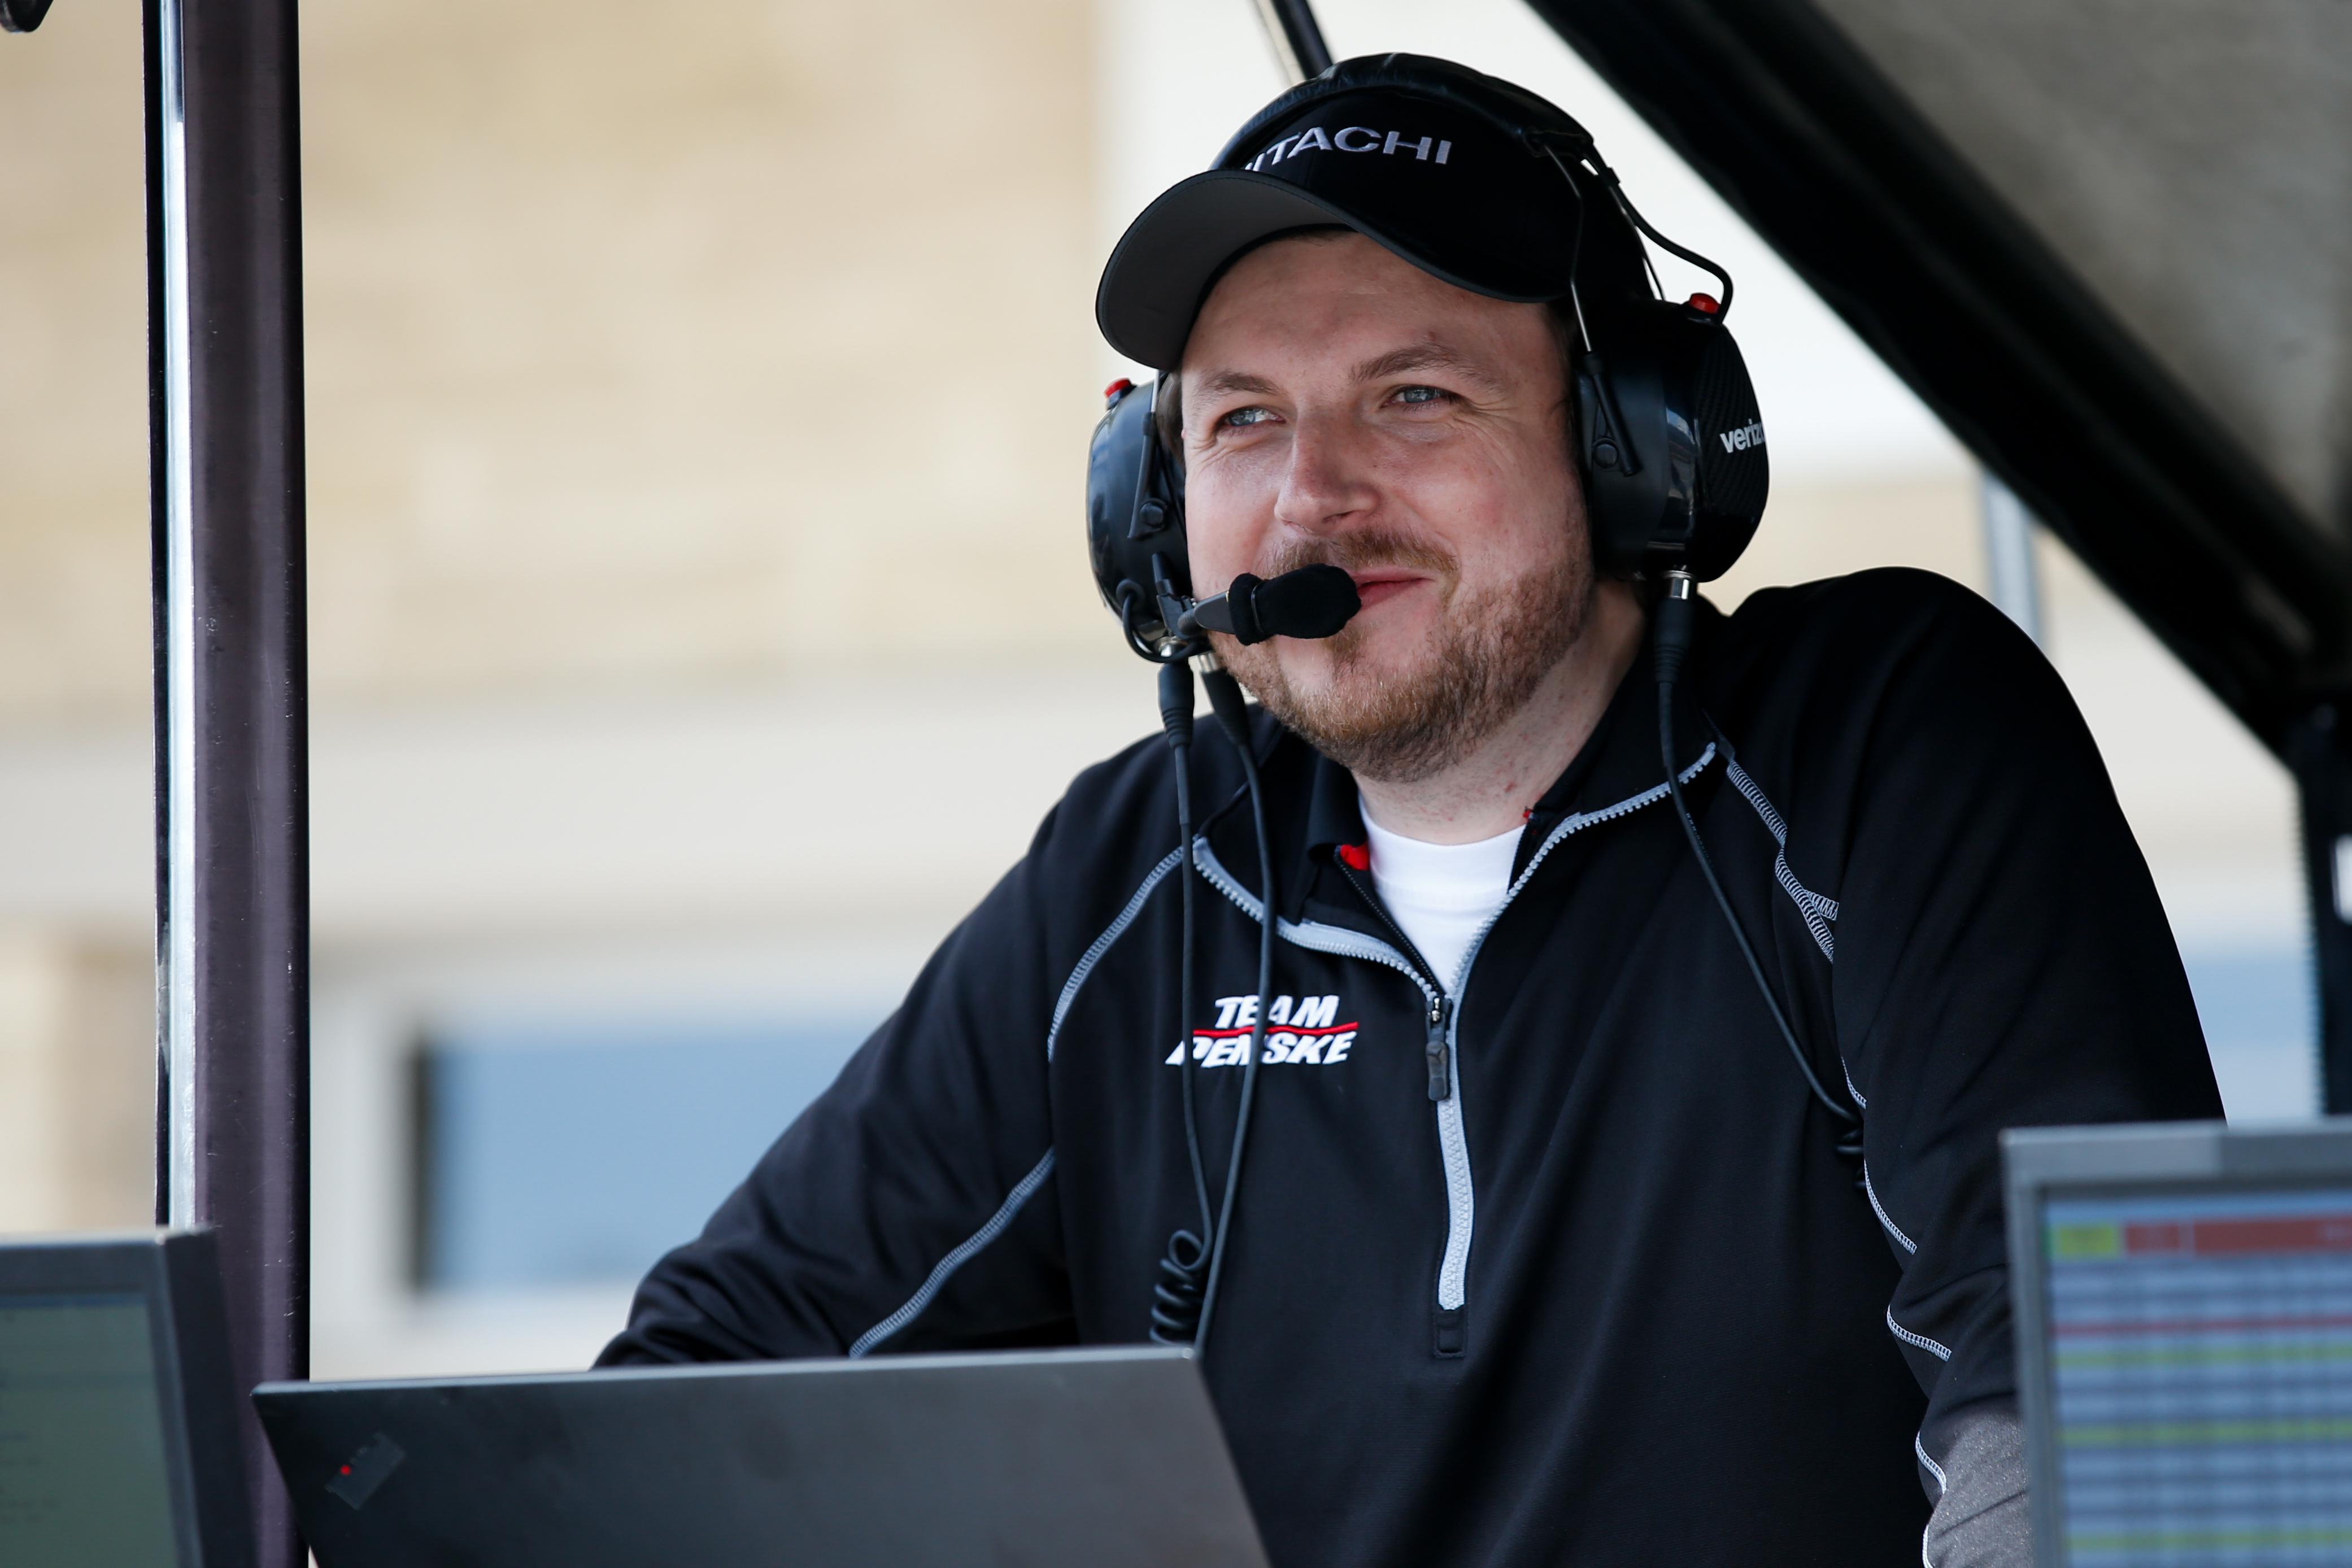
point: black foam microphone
(1312, 602)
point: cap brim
(1162, 266)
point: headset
(1669, 446)
(1669, 441)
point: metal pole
(1298, 41)
(2318, 752)
(2008, 557)
(233, 895)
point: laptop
(2182, 1297)
(1109, 1457)
(118, 1430)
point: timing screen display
(2201, 1353)
(82, 1476)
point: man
(1545, 1251)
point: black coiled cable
(1671, 638)
(1232, 716)
(1184, 1294)
(1176, 1295)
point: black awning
(2109, 243)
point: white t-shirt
(1443, 895)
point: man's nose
(1328, 481)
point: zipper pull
(1441, 1080)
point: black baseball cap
(1423, 155)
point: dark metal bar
(234, 896)
(1298, 39)
(2320, 752)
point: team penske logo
(1304, 1030)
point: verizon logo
(1748, 435)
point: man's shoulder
(1113, 796)
(1891, 605)
(1868, 632)
(1892, 663)
(1117, 821)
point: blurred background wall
(697, 419)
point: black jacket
(1616, 1298)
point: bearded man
(1548, 1252)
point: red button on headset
(1706, 303)
(1359, 857)
(1112, 393)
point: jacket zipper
(1448, 1331)
(1441, 1073)
(1441, 1005)
(1443, 1020)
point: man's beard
(1485, 660)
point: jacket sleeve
(2002, 959)
(1980, 1519)
(911, 1205)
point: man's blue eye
(1420, 394)
(1244, 416)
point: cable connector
(1670, 630)
(1176, 701)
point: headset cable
(1671, 640)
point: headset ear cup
(1672, 445)
(1600, 451)
(1735, 474)
(1623, 461)
(1135, 517)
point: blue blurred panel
(561, 1155)
(2257, 1008)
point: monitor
(119, 1440)
(2183, 1298)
